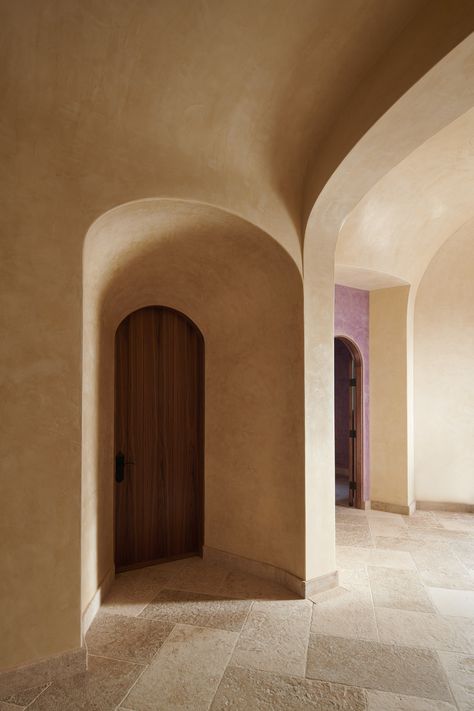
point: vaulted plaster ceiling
(407, 215)
(248, 106)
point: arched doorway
(348, 419)
(159, 437)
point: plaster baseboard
(406, 510)
(266, 571)
(444, 506)
(321, 584)
(100, 594)
(43, 671)
(366, 505)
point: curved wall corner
(443, 382)
(245, 295)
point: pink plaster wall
(351, 319)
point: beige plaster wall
(222, 102)
(245, 294)
(444, 384)
(388, 395)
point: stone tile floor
(398, 634)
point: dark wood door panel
(159, 427)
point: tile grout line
(446, 676)
(37, 697)
(230, 657)
(115, 659)
(146, 666)
(313, 609)
(373, 604)
(131, 687)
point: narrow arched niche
(244, 293)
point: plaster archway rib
(409, 96)
(406, 217)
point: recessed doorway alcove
(244, 294)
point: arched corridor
(292, 178)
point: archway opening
(159, 438)
(348, 420)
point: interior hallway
(398, 633)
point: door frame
(202, 394)
(359, 418)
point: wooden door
(159, 428)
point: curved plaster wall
(444, 386)
(245, 294)
(222, 102)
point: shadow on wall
(245, 295)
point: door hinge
(352, 434)
(352, 382)
(352, 485)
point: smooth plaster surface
(388, 387)
(444, 384)
(110, 102)
(245, 294)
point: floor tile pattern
(396, 635)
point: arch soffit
(439, 98)
(132, 233)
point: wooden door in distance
(159, 430)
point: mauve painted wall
(351, 319)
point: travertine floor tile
(422, 519)
(464, 551)
(241, 585)
(132, 591)
(387, 527)
(196, 575)
(439, 579)
(436, 561)
(439, 534)
(131, 638)
(351, 558)
(346, 615)
(459, 603)
(400, 589)
(253, 690)
(348, 535)
(397, 543)
(460, 671)
(356, 579)
(422, 629)
(184, 619)
(275, 637)
(189, 608)
(100, 688)
(350, 519)
(386, 515)
(456, 521)
(385, 701)
(373, 665)
(186, 671)
(26, 696)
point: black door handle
(119, 466)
